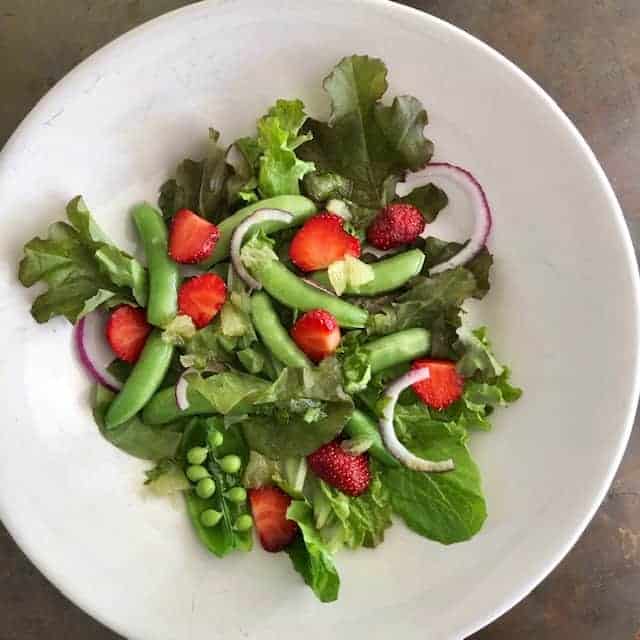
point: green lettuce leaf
(134, 436)
(289, 473)
(199, 185)
(429, 199)
(310, 557)
(366, 147)
(477, 357)
(81, 268)
(447, 507)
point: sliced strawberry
(444, 385)
(317, 333)
(321, 241)
(202, 297)
(127, 331)
(395, 225)
(269, 507)
(192, 238)
(344, 471)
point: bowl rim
(69, 84)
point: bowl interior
(562, 312)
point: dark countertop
(586, 54)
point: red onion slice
(262, 215)
(182, 386)
(479, 202)
(395, 447)
(93, 350)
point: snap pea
(164, 276)
(395, 348)
(273, 334)
(299, 207)
(388, 274)
(162, 407)
(287, 288)
(361, 425)
(143, 381)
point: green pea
(143, 381)
(197, 455)
(206, 488)
(215, 439)
(273, 334)
(230, 464)
(243, 523)
(287, 288)
(388, 274)
(210, 517)
(164, 276)
(197, 472)
(299, 207)
(402, 346)
(236, 494)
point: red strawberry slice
(192, 238)
(127, 330)
(344, 471)
(321, 241)
(395, 225)
(317, 333)
(444, 385)
(269, 507)
(202, 297)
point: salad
(294, 357)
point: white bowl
(563, 312)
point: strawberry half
(395, 225)
(192, 238)
(321, 241)
(443, 387)
(202, 297)
(344, 471)
(317, 333)
(127, 330)
(269, 507)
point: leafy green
(310, 557)
(429, 300)
(448, 507)
(166, 478)
(350, 521)
(477, 357)
(366, 147)
(198, 185)
(179, 330)
(81, 269)
(134, 436)
(289, 473)
(230, 390)
(223, 538)
(429, 199)
(438, 251)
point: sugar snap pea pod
(162, 408)
(164, 276)
(395, 348)
(361, 425)
(273, 334)
(143, 381)
(388, 274)
(287, 288)
(299, 207)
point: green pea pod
(396, 348)
(389, 274)
(164, 276)
(287, 288)
(142, 383)
(162, 408)
(361, 425)
(273, 334)
(299, 207)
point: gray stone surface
(586, 54)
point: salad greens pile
(255, 416)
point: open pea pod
(222, 538)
